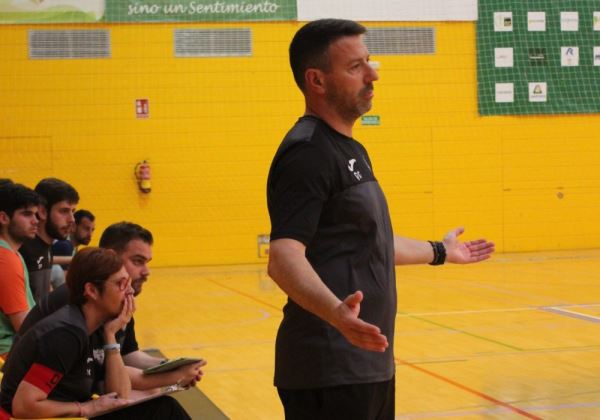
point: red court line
(402, 362)
(472, 391)
(249, 296)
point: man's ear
(90, 291)
(4, 219)
(314, 80)
(42, 213)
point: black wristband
(439, 253)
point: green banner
(75, 11)
(199, 11)
(51, 11)
(538, 56)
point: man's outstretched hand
(358, 332)
(466, 252)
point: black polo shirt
(57, 299)
(55, 356)
(322, 192)
(38, 259)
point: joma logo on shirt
(98, 355)
(357, 174)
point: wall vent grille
(213, 42)
(400, 41)
(58, 44)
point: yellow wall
(216, 122)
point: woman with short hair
(50, 371)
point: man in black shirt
(50, 372)
(332, 247)
(133, 244)
(63, 250)
(56, 220)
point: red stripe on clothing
(43, 377)
(4, 415)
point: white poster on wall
(538, 92)
(505, 92)
(388, 10)
(503, 57)
(569, 56)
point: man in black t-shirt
(63, 250)
(332, 247)
(81, 234)
(56, 220)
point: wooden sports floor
(515, 337)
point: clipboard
(170, 365)
(165, 390)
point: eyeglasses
(123, 283)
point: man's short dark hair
(4, 181)
(54, 190)
(118, 235)
(308, 48)
(17, 196)
(81, 214)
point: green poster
(51, 11)
(199, 10)
(74, 11)
(538, 56)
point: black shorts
(372, 401)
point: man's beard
(137, 285)
(52, 230)
(17, 235)
(83, 240)
(349, 111)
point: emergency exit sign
(370, 120)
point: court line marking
(571, 314)
(559, 309)
(467, 312)
(278, 308)
(468, 357)
(470, 390)
(433, 374)
(485, 311)
(249, 296)
(479, 337)
(495, 410)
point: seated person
(50, 370)
(63, 250)
(18, 222)
(133, 244)
(55, 217)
